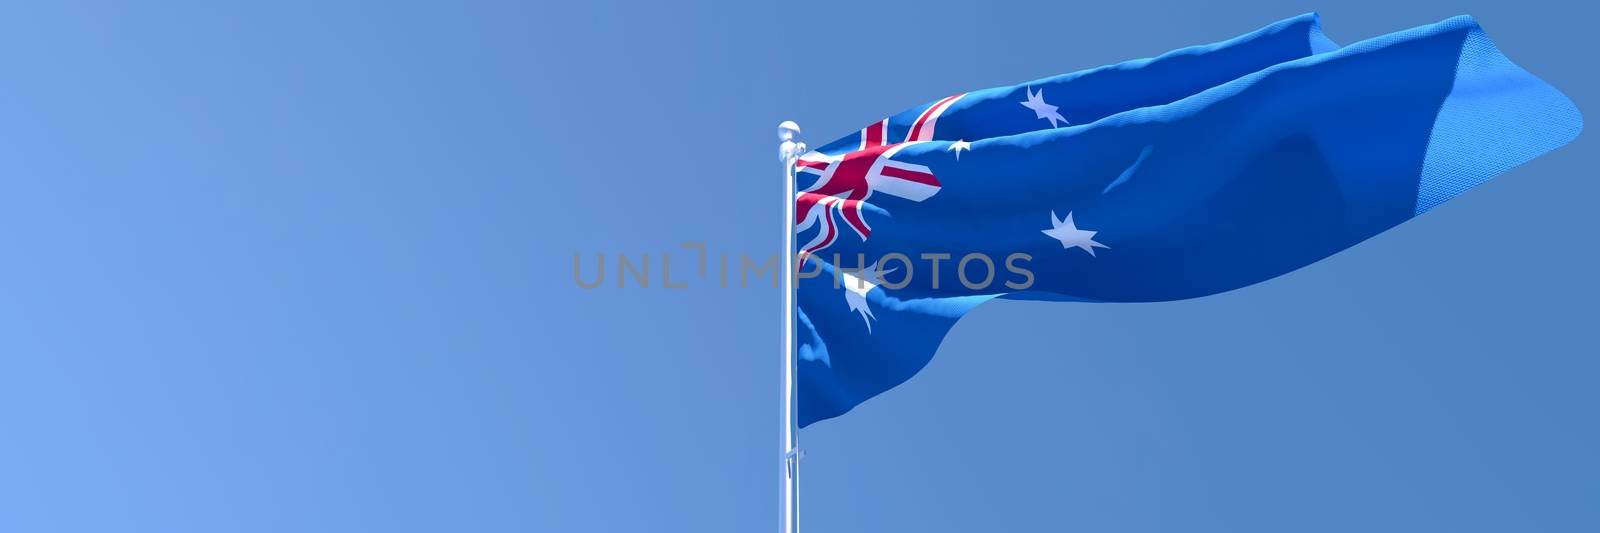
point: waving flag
(1200, 171)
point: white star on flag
(1043, 110)
(958, 146)
(856, 288)
(1070, 236)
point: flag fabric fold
(1200, 171)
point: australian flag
(1199, 171)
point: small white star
(1043, 110)
(958, 146)
(1070, 236)
(856, 287)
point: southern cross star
(1043, 110)
(1070, 236)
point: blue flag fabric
(1200, 171)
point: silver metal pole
(789, 151)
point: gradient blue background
(307, 267)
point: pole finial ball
(788, 130)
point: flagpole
(789, 151)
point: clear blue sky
(306, 266)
